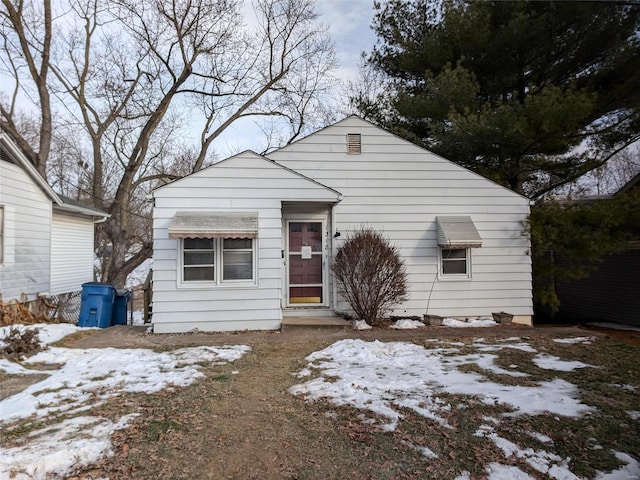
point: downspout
(336, 234)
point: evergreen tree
(531, 94)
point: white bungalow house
(46, 240)
(250, 239)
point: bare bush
(18, 344)
(371, 275)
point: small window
(1, 234)
(218, 260)
(455, 261)
(354, 143)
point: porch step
(324, 322)
(309, 312)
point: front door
(305, 265)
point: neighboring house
(250, 239)
(610, 293)
(46, 240)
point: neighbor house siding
(399, 189)
(609, 294)
(244, 183)
(27, 222)
(71, 252)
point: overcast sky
(349, 24)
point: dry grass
(246, 425)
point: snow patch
(407, 324)
(381, 377)
(550, 362)
(476, 322)
(80, 379)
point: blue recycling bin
(96, 305)
(119, 314)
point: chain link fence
(65, 307)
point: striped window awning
(457, 232)
(214, 225)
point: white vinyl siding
(27, 226)
(244, 183)
(400, 189)
(71, 252)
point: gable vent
(354, 143)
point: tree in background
(533, 95)
(370, 274)
(570, 238)
(131, 94)
(530, 94)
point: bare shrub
(17, 344)
(371, 275)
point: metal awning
(214, 225)
(457, 232)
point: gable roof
(355, 119)
(60, 202)
(254, 155)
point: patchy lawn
(467, 408)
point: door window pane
(305, 295)
(303, 272)
(305, 234)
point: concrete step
(331, 323)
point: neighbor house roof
(60, 202)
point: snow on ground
(472, 322)
(383, 378)
(48, 333)
(574, 340)
(550, 362)
(361, 325)
(380, 377)
(407, 324)
(78, 380)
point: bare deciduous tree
(133, 82)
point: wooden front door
(305, 265)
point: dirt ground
(124, 336)
(240, 422)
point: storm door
(305, 265)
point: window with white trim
(454, 262)
(218, 261)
